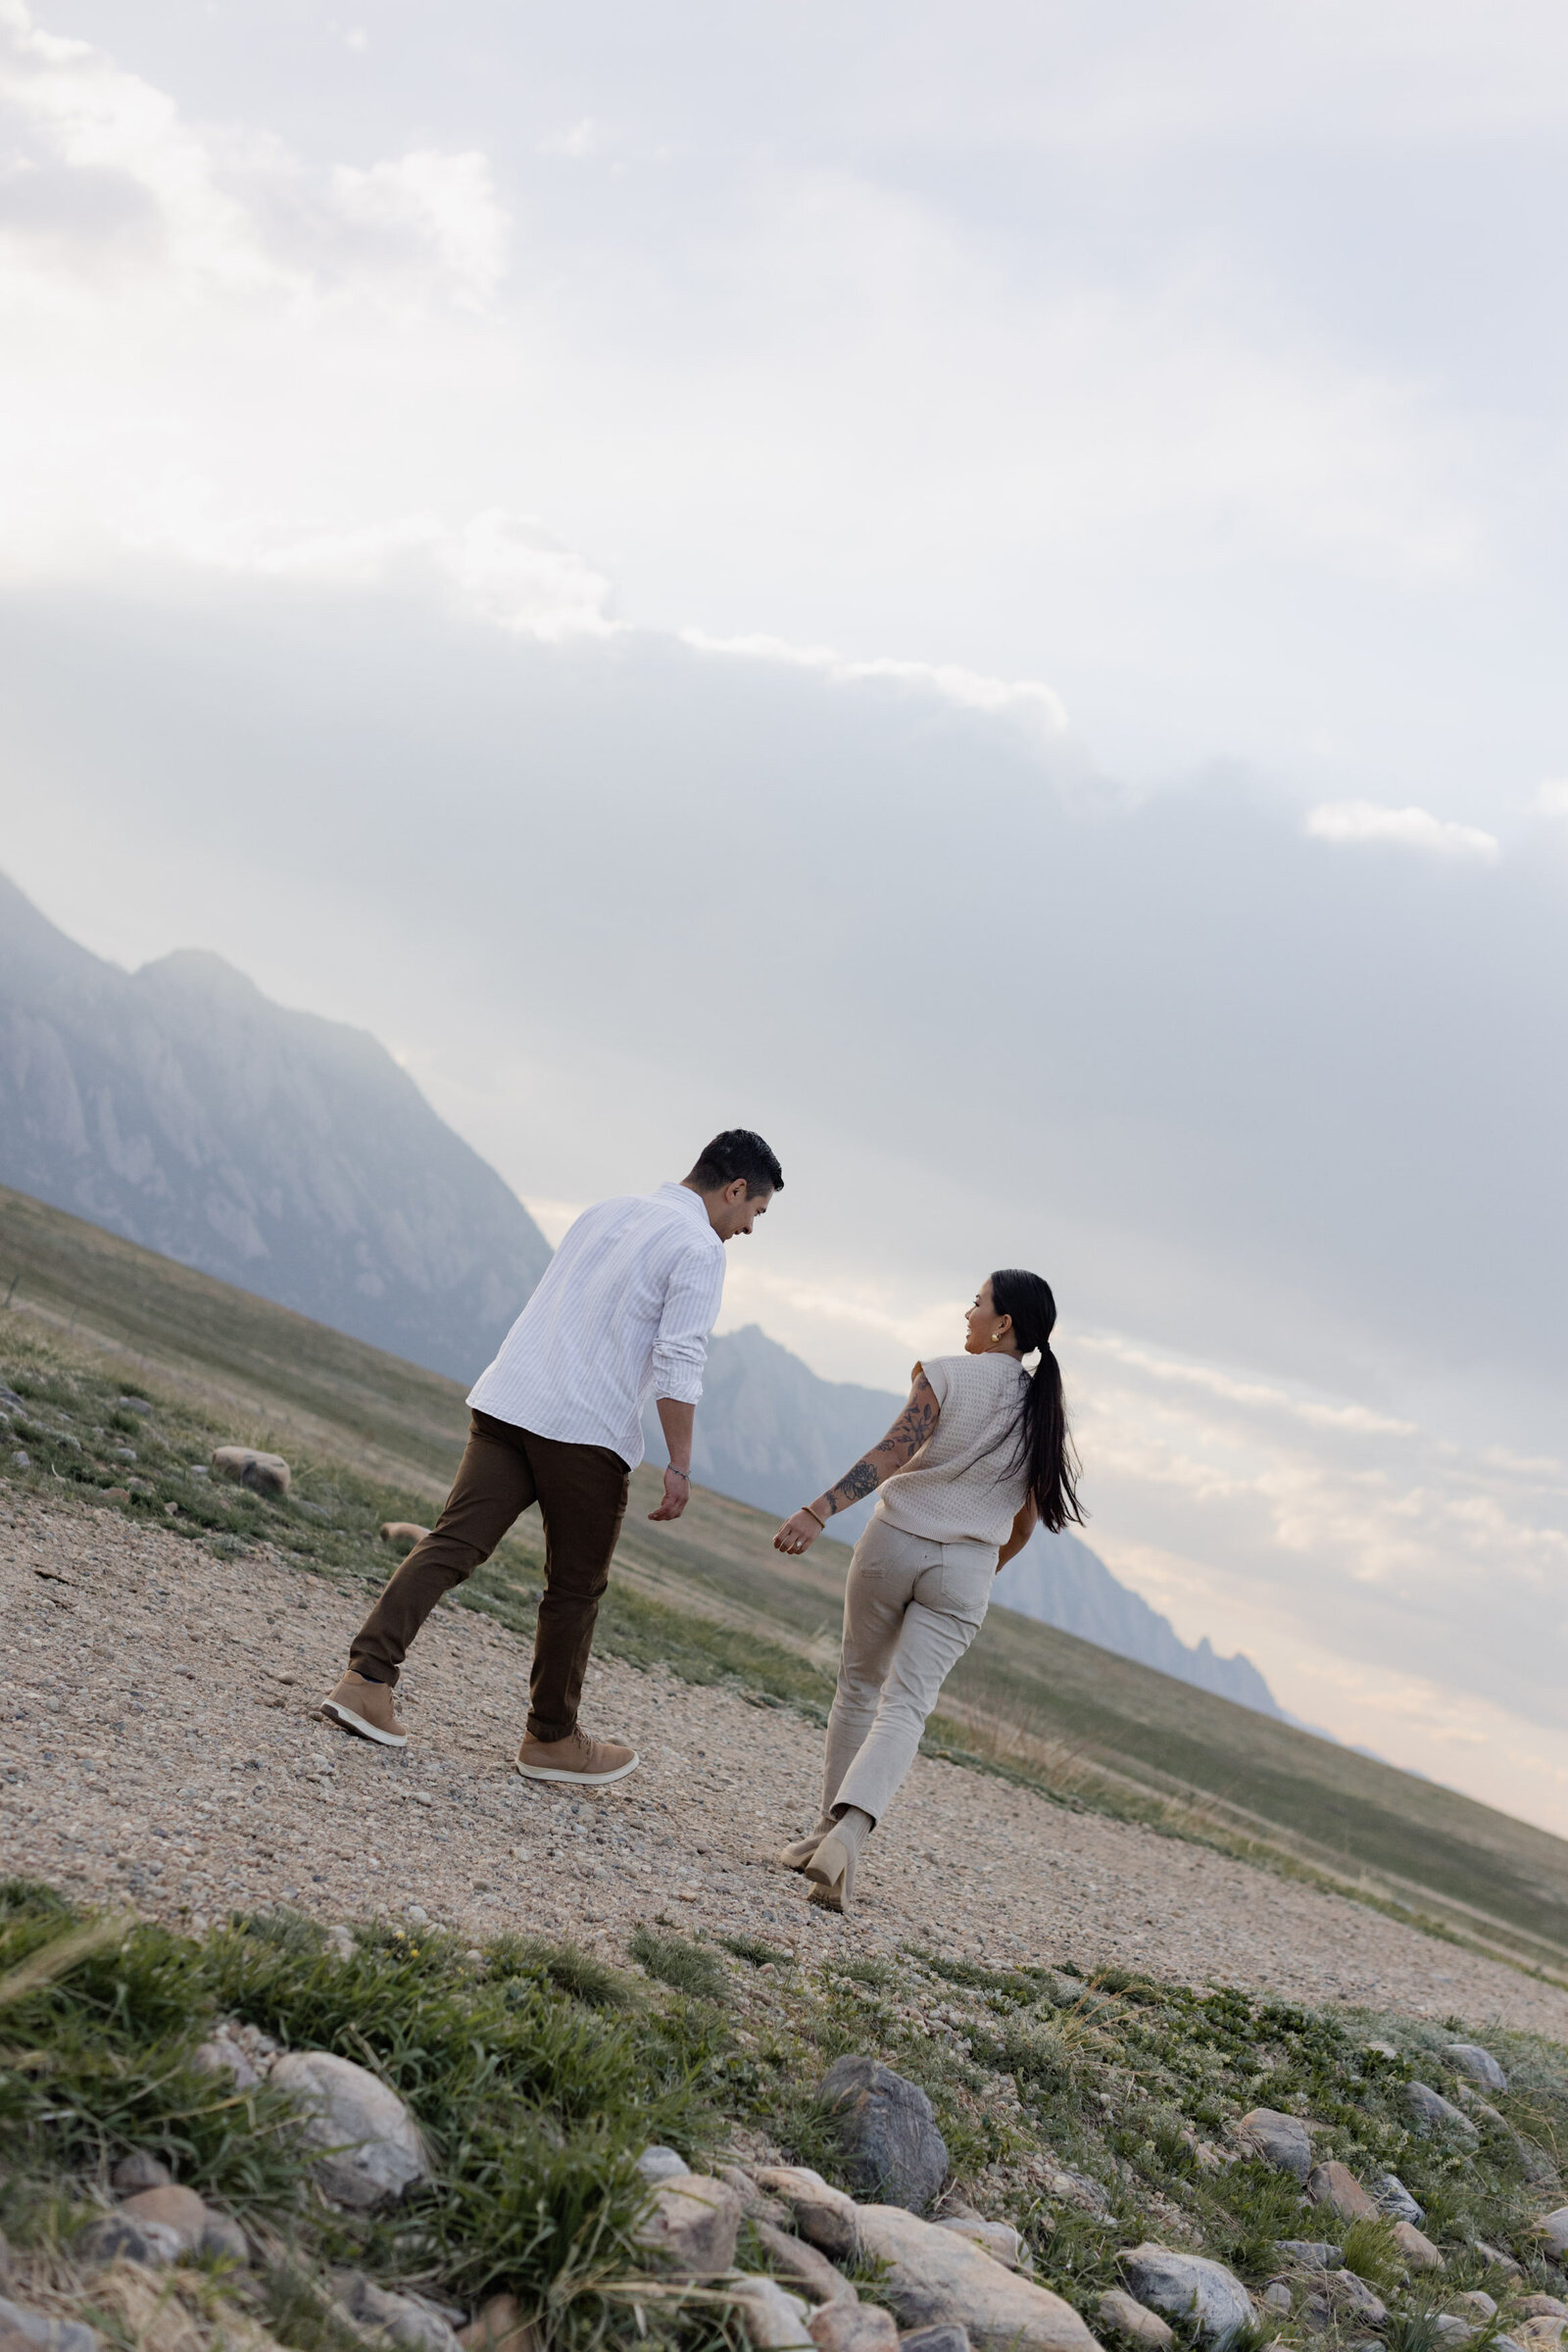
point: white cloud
(1029, 699)
(1551, 797)
(1410, 828)
(446, 202)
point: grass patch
(754, 1949)
(684, 1965)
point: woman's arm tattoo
(904, 1439)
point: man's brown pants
(581, 1493)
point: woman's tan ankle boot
(799, 1851)
(831, 1869)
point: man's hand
(677, 1495)
(798, 1534)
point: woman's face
(985, 1324)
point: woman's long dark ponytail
(1046, 1442)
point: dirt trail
(157, 1740)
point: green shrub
(684, 1965)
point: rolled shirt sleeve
(692, 1303)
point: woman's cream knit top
(967, 1483)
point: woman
(977, 1458)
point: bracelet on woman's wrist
(811, 1514)
(685, 1474)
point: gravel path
(157, 1741)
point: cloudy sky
(981, 590)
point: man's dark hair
(737, 1153)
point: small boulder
(1119, 2315)
(1390, 2196)
(137, 2172)
(499, 2326)
(1542, 2306)
(804, 2267)
(1475, 2305)
(754, 2204)
(947, 2338)
(1497, 2260)
(1190, 2290)
(400, 1535)
(691, 2227)
(657, 2164)
(1311, 2253)
(1539, 2335)
(1415, 2251)
(1354, 2300)
(118, 2238)
(999, 2239)
(178, 2209)
(221, 2054)
(887, 2129)
(1434, 2113)
(933, 2278)
(1077, 2188)
(43, 2334)
(371, 2152)
(1552, 2232)
(775, 2319)
(1277, 2296)
(262, 1473)
(223, 2241)
(854, 2327)
(1282, 2141)
(1452, 2330)
(407, 2321)
(820, 2213)
(1337, 2186)
(1469, 2058)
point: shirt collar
(688, 1200)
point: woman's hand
(798, 1534)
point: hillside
(178, 1107)
(711, 1598)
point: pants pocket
(964, 1581)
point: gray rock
(1119, 2315)
(118, 2238)
(408, 2320)
(1077, 2188)
(1354, 2300)
(1469, 2058)
(1474, 2305)
(933, 2278)
(1432, 2109)
(754, 2204)
(50, 2335)
(1552, 2230)
(1416, 2251)
(936, 2339)
(221, 2054)
(804, 2267)
(657, 2164)
(856, 2327)
(691, 2227)
(371, 2152)
(1277, 2296)
(887, 2130)
(1313, 2253)
(262, 1473)
(775, 2319)
(1542, 2306)
(178, 2209)
(1452, 2330)
(1390, 2196)
(21, 1459)
(1335, 2185)
(1282, 2141)
(1497, 2260)
(820, 2213)
(1190, 2290)
(223, 2241)
(1000, 2239)
(137, 2172)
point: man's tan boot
(360, 1705)
(591, 1763)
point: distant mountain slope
(286, 1153)
(769, 1432)
(1059, 1581)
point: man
(622, 1314)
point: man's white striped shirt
(622, 1314)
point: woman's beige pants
(910, 1610)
